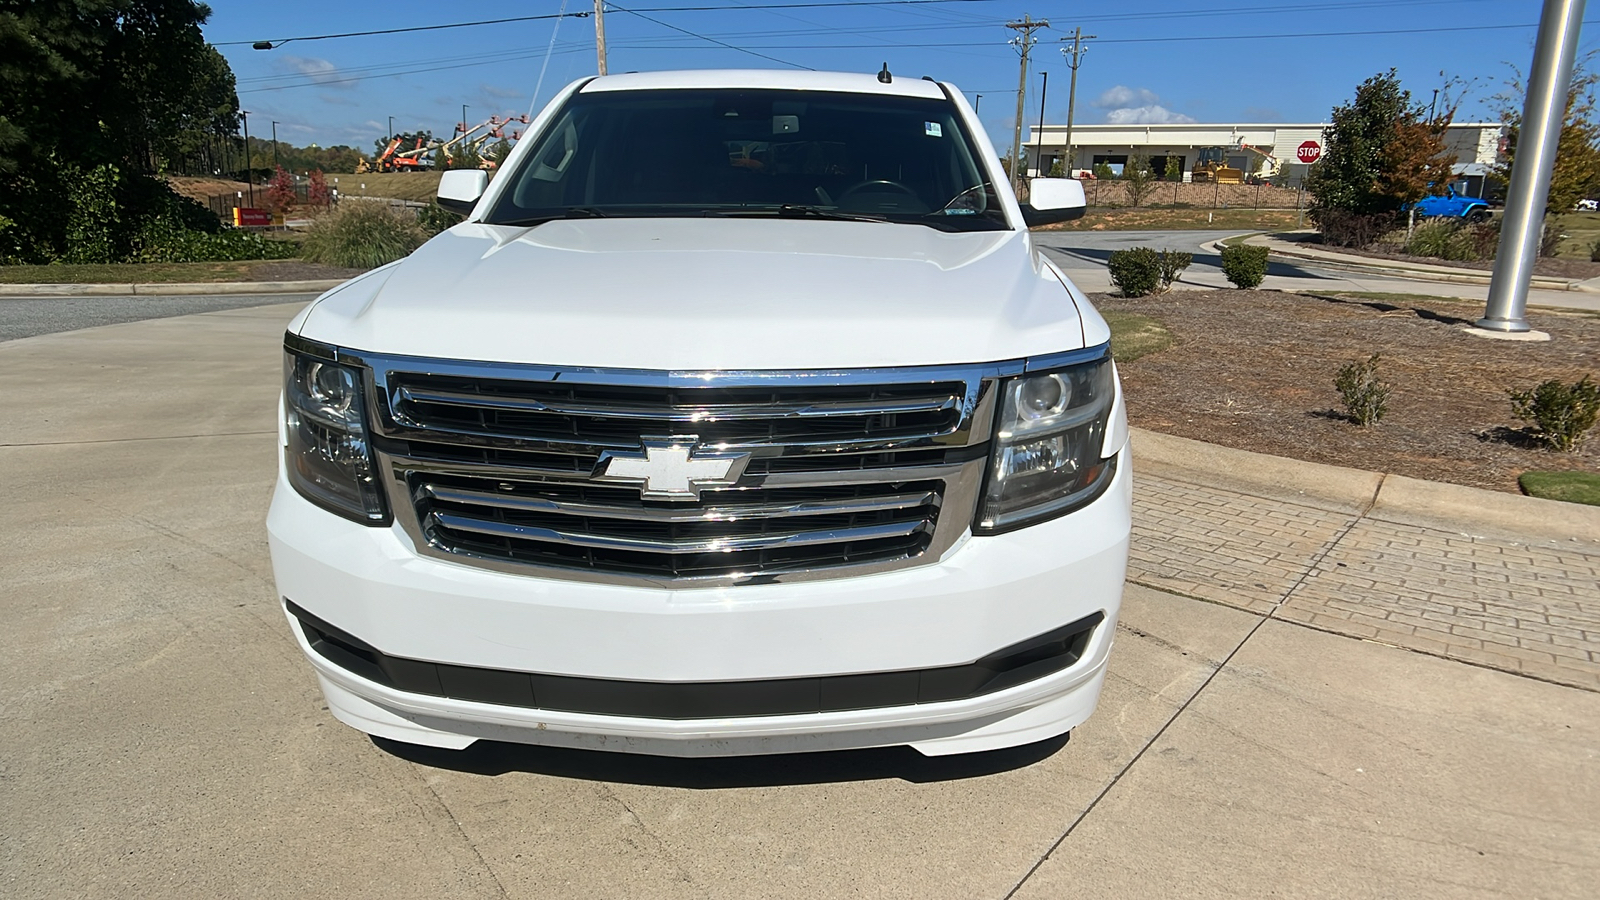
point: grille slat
(723, 544)
(730, 513)
(843, 474)
(693, 413)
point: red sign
(245, 216)
(1309, 152)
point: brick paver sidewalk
(1530, 607)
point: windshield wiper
(818, 212)
(571, 212)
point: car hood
(685, 294)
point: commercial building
(1263, 150)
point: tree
(280, 191)
(1576, 173)
(1415, 163)
(1349, 203)
(1140, 178)
(1174, 171)
(126, 84)
(317, 193)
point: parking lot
(164, 737)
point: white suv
(741, 415)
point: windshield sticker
(932, 129)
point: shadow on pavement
(496, 758)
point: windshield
(753, 153)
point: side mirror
(459, 189)
(1052, 200)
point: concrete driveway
(164, 738)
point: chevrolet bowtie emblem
(669, 468)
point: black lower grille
(1017, 664)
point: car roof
(768, 79)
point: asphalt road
(1083, 255)
(22, 317)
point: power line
(278, 42)
(712, 40)
(1201, 37)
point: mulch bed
(1254, 370)
(1548, 266)
(295, 270)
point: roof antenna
(884, 75)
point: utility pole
(251, 182)
(1024, 42)
(600, 34)
(391, 128)
(1044, 90)
(1543, 114)
(274, 146)
(1074, 57)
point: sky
(1224, 61)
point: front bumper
(987, 593)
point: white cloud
(1136, 106)
(1123, 96)
(1154, 114)
(318, 71)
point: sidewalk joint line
(165, 437)
(1116, 779)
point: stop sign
(1309, 152)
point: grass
(421, 186)
(129, 273)
(1134, 335)
(1147, 218)
(1582, 230)
(1569, 487)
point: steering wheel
(878, 186)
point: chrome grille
(848, 471)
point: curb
(1386, 498)
(168, 290)
(1359, 264)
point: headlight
(327, 455)
(1047, 446)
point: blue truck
(1453, 205)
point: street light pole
(1543, 114)
(977, 103)
(251, 182)
(463, 118)
(275, 165)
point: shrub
(363, 235)
(94, 218)
(1244, 265)
(1341, 228)
(165, 240)
(1172, 264)
(434, 218)
(1143, 271)
(1365, 396)
(1561, 414)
